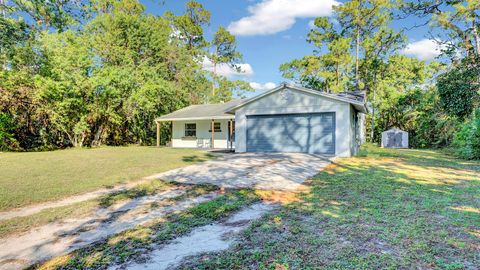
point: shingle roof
(202, 112)
(355, 99)
(354, 95)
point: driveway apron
(265, 171)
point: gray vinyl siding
(307, 132)
(297, 103)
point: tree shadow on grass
(197, 158)
(134, 244)
(427, 223)
(111, 198)
(364, 213)
(424, 157)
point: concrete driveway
(266, 171)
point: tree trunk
(477, 37)
(2, 8)
(357, 52)
(213, 79)
(337, 74)
(214, 71)
(72, 138)
(98, 136)
(372, 134)
(82, 139)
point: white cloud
(424, 49)
(273, 16)
(263, 86)
(228, 71)
(311, 24)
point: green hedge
(467, 140)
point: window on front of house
(216, 127)
(191, 130)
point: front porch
(207, 134)
(201, 126)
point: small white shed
(395, 138)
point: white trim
(203, 135)
(196, 118)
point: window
(216, 127)
(191, 130)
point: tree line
(94, 72)
(88, 73)
(357, 49)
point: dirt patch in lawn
(210, 238)
(54, 239)
(36, 208)
(135, 245)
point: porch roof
(201, 112)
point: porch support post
(231, 134)
(158, 133)
(212, 145)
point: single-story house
(287, 118)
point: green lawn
(33, 177)
(390, 209)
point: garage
(292, 118)
(302, 132)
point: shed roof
(394, 130)
(201, 112)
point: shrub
(7, 127)
(467, 140)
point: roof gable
(360, 106)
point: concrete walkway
(276, 171)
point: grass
(23, 224)
(82, 209)
(34, 177)
(387, 209)
(144, 189)
(132, 244)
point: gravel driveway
(272, 171)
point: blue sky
(272, 32)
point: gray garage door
(308, 133)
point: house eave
(219, 117)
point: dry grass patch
(388, 209)
(135, 243)
(86, 208)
